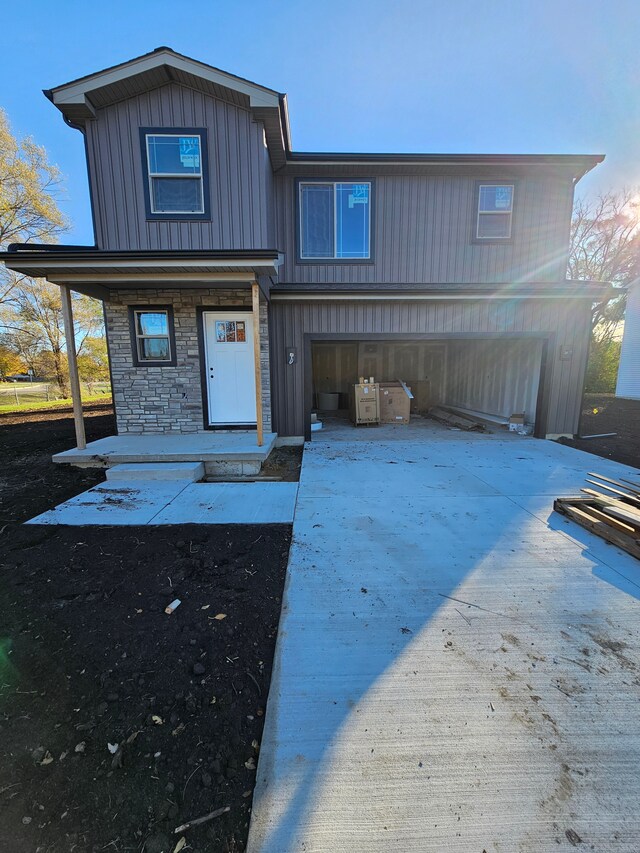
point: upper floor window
(152, 336)
(176, 176)
(335, 220)
(495, 211)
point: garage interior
(489, 379)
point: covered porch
(177, 408)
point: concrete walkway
(457, 666)
(176, 501)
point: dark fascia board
(577, 164)
(579, 289)
(42, 250)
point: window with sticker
(335, 220)
(175, 173)
(495, 211)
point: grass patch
(52, 404)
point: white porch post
(255, 293)
(74, 379)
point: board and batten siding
(240, 175)
(494, 377)
(423, 228)
(563, 323)
(628, 384)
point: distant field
(18, 396)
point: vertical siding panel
(238, 169)
(504, 373)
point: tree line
(605, 246)
(31, 323)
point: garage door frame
(544, 387)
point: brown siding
(240, 175)
(562, 322)
(422, 232)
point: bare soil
(118, 722)
(604, 413)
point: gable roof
(79, 99)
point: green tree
(93, 361)
(602, 370)
(31, 309)
(10, 362)
(34, 325)
(28, 207)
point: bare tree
(605, 246)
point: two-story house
(240, 278)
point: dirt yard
(604, 413)
(118, 722)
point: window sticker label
(190, 152)
(503, 198)
(359, 195)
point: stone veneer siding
(169, 399)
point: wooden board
(596, 522)
(453, 420)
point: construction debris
(200, 820)
(615, 517)
(455, 421)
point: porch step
(192, 471)
(232, 453)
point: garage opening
(490, 379)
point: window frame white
(302, 182)
(492, 237)
(149, 175)
(193, 176)
(140, 359)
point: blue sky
(518, 76)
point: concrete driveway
(457, 666)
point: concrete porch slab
(192, 471)
(210, 447)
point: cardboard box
(516, 422)
(365, 404)
(395, 402)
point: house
(241, 278)
(628, 383)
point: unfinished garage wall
(563, 322)
(494, 377)
(421, 364)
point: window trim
(139, 362)
(498, 182)
(205, 214)
(316, 179)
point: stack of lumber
(612, 511)
(451, 419)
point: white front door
(230, 368)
